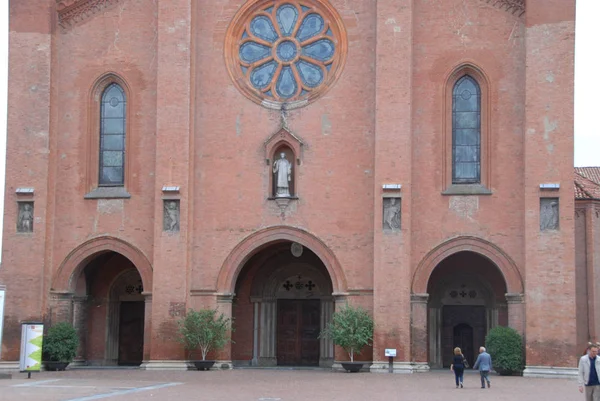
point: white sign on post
(32, 335)
(390, 352)
(2, 294)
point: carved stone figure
(282, 169)
(25, 222)
(391, 214)
(549, 214)
(171, 216)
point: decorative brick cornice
(516, 7)
(71, 12)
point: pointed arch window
(113, 108)
(466, 131)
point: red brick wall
(548, 155)
(382, 122)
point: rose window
(282, 51)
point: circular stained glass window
(285, 52)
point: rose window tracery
(283, 51)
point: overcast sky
(587, 87)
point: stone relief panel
(392, 214)
(171, 215)
(25, 217)
(548, 214)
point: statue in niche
(171, 216)
(25, 221)
(391, 214)
(549, 214)
(282, 169)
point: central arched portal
(283, 300)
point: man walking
(589, 368)
(484, 364)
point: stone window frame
(241, 22)
(483, 187)
(93, 188)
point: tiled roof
(586, 188)
(591, 173)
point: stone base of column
(165, 365)
(325, 362)
(266, 361)
(9, 366)
(77, 363)
(550, 372)
(399, 367)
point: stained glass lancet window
(285, 51)
(112, 136)
(466, 131)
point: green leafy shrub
(204, 329)
(60, 343)
(505, 346)
(350, 328)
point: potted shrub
(505, 346)
(60, 346)
(351, 328)
(205, 330)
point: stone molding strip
(71, 12)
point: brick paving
(275, 385)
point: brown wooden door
(463, 338)
(131, 333)
(298, 325)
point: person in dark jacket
(458, 366)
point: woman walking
(458, 366)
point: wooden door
(298, 326)
(463, 338)
(131, 333)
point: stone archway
(435, 313)
(283, 299)
(254, 243)
(88, 290)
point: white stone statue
(171, 216)
(282, 169)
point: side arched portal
(461, 290)
(100, 288)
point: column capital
(514, 298)
(419, 298)
(61, 295)
(225, 297)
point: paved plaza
(275, 385)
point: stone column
(111, 354)
(80, 324)
(255, 331)
(516, 312)
(268, 320)
(225, 306)
(418, 327)
(325, 344)
(435, 338)
(147, 326)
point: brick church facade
(276, 159)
